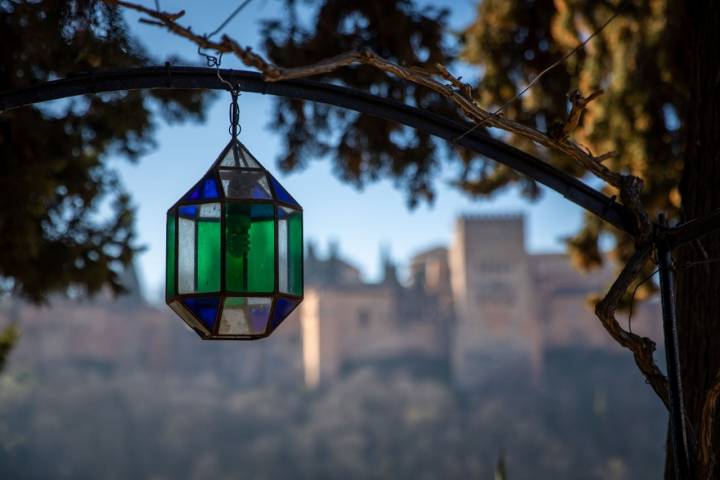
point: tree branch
(418, 76)
(641, 347)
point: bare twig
(578, 105)
(606, 156)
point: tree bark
(698, 285)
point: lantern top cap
(236, 175)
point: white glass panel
(186, 255)
(210, 210)
(282, 255)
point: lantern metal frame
(224, 293)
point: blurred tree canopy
(55, 175)
(635, 60)
(363, 148)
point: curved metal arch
(171, 77)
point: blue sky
(360, 221)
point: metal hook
(210, 60)
(216, 61)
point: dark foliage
(363, 148)
(55, 177)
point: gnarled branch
(641, 347)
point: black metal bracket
(678, 428)
(172, 77)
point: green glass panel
(208, 255)
(250, 247)
(170, 258)
(295, 253)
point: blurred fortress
(483, 307)
(480, 309)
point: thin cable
(632, 298)
(215, 61)
(538, 77)
(687, 265)
(229, 18)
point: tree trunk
(698, 286)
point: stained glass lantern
(234, 265)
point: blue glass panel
(206, 189)
(283, 308)
(204, 308)
(188, 211)
(285, 212)
(280, 193)
(194, 194)
(262, 211)
(210, 188)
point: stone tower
(495, 325)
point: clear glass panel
(250, 247)
(290, 251)
(229, 159)
(170, 257)
(186, 255)
(245, 184)
(199, 248)
(244, 316)
(246, 158)
(283, 308)
(188, 317)
(204, 309)
(239, 157)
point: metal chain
(235, 128)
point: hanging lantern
(234, 264)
